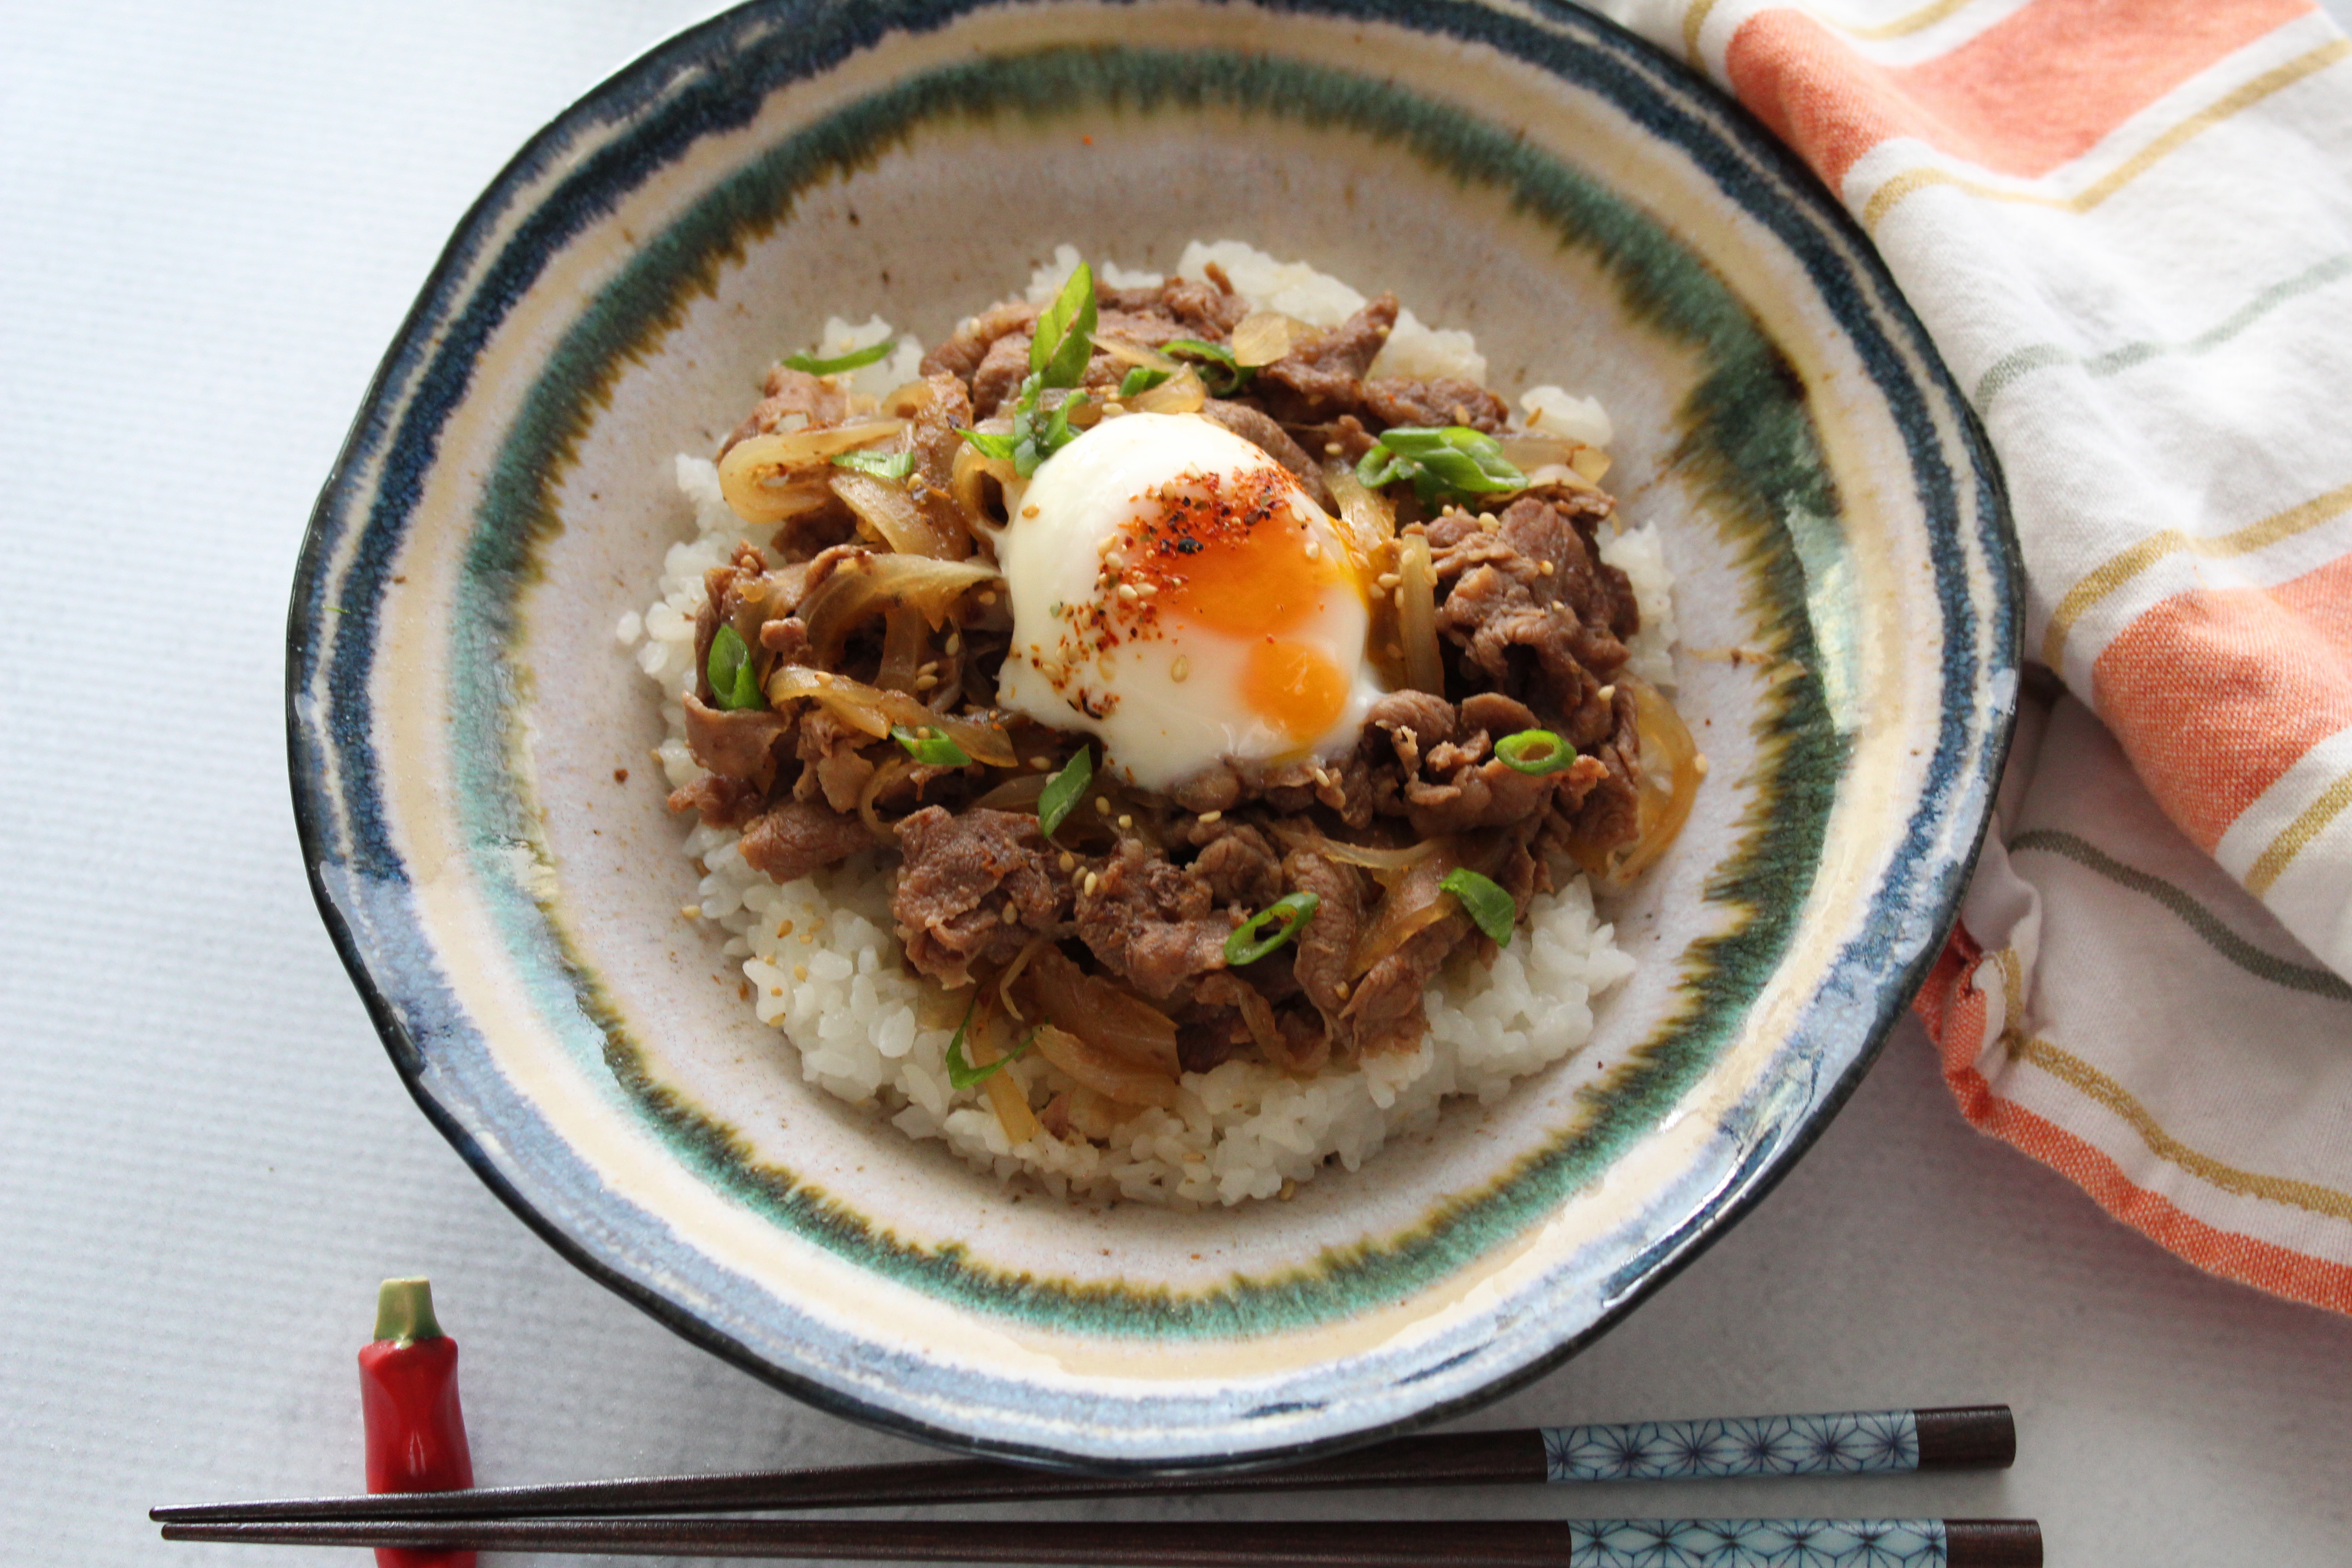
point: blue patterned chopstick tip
(1850, 1443)
(1747, 1542)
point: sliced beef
(1387, 401)
(723, 802)
(960, 355)
(1239, 864)
(1383, 1011)
(1258, 428)
(1152, 922)
(963, 876)
(1535, 610)
(797, 837)
(739, 744)
(819, 401)
(998, 376)
(1321, 378)
(835, 762)
(1320, 953)
(931, 431)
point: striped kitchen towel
(2128, 225)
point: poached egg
(1177, 593)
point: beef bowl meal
(1148, 736)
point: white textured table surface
(211, 221)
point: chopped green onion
(1535, 751)
(1494, 911)
(1293, 909)
(881, 465)
(1219, 374)
(990, 444)
(1065, 339)
(733, 681)
(962, 1074)
(1141, 378)
(929, 748)
(1065, 790)
(854, 360)
(1452, 464)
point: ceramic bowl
(490, 846)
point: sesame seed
(1069, 861)
(1041, 761)
(1009, 915)
(1545, 569)
(1386, 580)
(799, 972)
(1323, 778)
(1128, 596)
(925, 683)
(784, 931)
(1180, 668)
(1489, 521)
(1030, 510)
(776, 991)
(955, 642)
(1113, 408)
(1609, 694)
(1125, 821)
(1342, 990)
(988, 595)
(1314, 551)
(1093, 882)
(1102, 806)
(1332, 449)
(1212, 816)
(1400, 596)
(691, 911)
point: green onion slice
(853, 359)
(1293, 909)
(1065, 338)
(1494, 911)
(733, 682)
(962, 1074)
(990, 444)
(1065, 790)
(1141, 378)
(931, 749)
(881, 465)
(1450, 464)
(1219, 374)
(1535, 751)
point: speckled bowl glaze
(462, 714)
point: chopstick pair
(587, 1516)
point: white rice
(828, 971)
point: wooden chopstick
(1284, 1544)
(1850, 1443)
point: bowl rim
(859, 26)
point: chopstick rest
(1879, 1442)
(1352, 1543)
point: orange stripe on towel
(1954, 1011)
(2034, 92)
(2216, 692)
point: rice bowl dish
(822, 957)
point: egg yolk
(1241, 555)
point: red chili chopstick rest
(416, 1431)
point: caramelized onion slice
(1417, 614)
(1369, 518)
(974, 473)
(1264, 336)
(1005, 1095)
(1126, 352)
(1667, 750)
(871, 711)
(767, 478)
(1103, 1014)
(1415, 903)
(858, 588)
(1183, 392)
(903, 521)
(1110, 1076)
